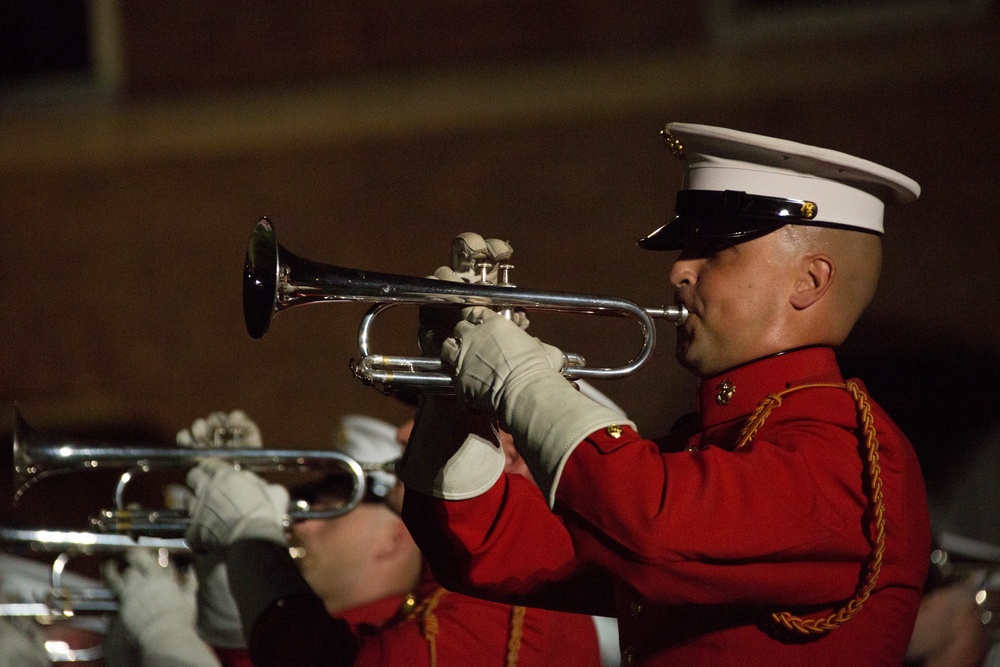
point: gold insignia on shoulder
(724, 392)
(615, 431)
(808, 210)
(673, 143)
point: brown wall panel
(122, 270)
(194, 45)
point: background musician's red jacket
(395, 632)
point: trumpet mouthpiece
(676, 314)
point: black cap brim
(685, 231)
(706, 217)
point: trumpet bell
(260, 279)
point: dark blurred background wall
(139, 142)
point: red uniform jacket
(463, 631)
(695, 544)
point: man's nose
(684, 272)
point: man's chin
(683, 354)
(690, 362)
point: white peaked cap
(739, 185)
(369, 440)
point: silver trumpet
(976, 566)
(63, 601)
(37, 457)
(275, 279)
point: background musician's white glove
(218, 616)
(230, 504)
(217, 431)
(502, 370)
(22, 644)
(157, 609)
(220, 430)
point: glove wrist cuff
(474, 467)
(449, 454)
(548, 419)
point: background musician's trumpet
(275, 280)
(66, 598)
(63, 601)
(39, 456)
(975, 566)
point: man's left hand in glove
(502, 370)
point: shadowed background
(373, 134)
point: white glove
(219, 431)
(504, 371)
(158, 609)
(230, 504)
(467, 250)
(450, 453)
(21, 644)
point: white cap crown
(739, 185)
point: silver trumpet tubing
(275, 279)
(63, 601)
(976, 566)
(38, 456)
(44, 540)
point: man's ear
(815, 277)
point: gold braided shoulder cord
(430, 620)
(873, 563)
(516, 627)
(432, 626)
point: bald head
(853, 262)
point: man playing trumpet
(784, 523)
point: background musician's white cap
(738, 186)
(369, 440)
